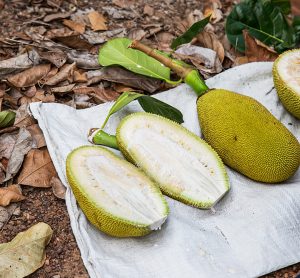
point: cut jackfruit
(247, 136)
(185, 167)
(115, 196)
(286, 75)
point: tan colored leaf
(65, 72)
(75, 41)
(7, 142)
(59, 190)
(56, 57)
(23, 119)
(101, 94)
(50, 74)
(148, 10)
(51, 17)
(62, 89)
(26, 252)
(79, 76)
(60, 32)
(97, 21)
(210, 40)
(37, 169)
(43, 96)
(30, 76)
(37, 136)
(240, 61)
(10, 194)
(256, 51)
(76, 26)
(5, 215)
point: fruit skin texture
(103, 220)
(247, 136)
(132, 159)
(288, 97)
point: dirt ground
(63, 256)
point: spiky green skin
(98, 216)
(289, 98)
(247, 136)
(165, 188)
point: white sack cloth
(254, 230)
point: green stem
(100, 137)
(190, 76)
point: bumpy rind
(248, 137)
(164, 188)
(99, 217)
(288, 97)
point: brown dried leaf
(76, 42)
(56, 57)
(84, 60)
(62, 89)
(97, 21)
(59, 190)
(148, 10)
(76, 26)
(10, 194)
(120, 75)
(60, 32)
(55, 16)
(43, 96)
(256, 51)
(79, 76)
(6, 213)
(97, 38)
(136, 34)
(7, 142)
(101, 94)
(37, 136)
(30, 76)
(65, 72)
(23, 119)
(29, 92)
(37, 169)
(210, 40)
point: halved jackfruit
(185, 167)
(115, 196)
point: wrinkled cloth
(253, 230)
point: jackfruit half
(286, 75)
(115, 196)
(247, 136)
(184, 166)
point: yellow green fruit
(184, 166)
(247, 136)
(115, 196)
(286, 77)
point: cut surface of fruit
(286, 73)
(185, 167)
(115, 196)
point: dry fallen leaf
(37, 136)
(37, 169)
(5, 215)
(7, 142)
(56, 57)
(26, 252)
(62, 89)
(76, 26)
(100, 94)
(23, 119)
(59, 190)
(10, 194)
(256, 51)
(84, 60)
(51, 17)
(96, 38)
(97, 21)
(65, 72)
(148, 10)
(30, 76)
(43, 96)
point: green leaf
(195, 29)
(155, 106)
(7, 118)
(296, 25)
(122, 101)
(116, 52)
(284, 5)
(264, 21)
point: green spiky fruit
(286, 77)
(184, 166)
(115, 196)
(247, 136)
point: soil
(63, 256)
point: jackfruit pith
(184, 166)
(114, 195)
(247, 136)
(286, 70)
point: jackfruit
(247, 136)
(286, 77)
(115, 196)
(184, 166)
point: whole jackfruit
(286, 76)
(184, 166)
(247, 136)
(114, 195)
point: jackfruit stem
(99, 137)
(190, 76)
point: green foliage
(195, 29)
(7, 118)
(265, 20)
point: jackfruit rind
(247, 136)
(286, 78)
(184, 166)
(115, 196)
